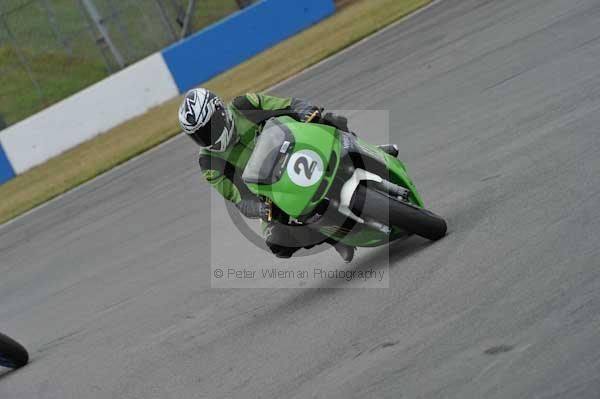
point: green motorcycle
(316, 176)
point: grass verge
(139, 134)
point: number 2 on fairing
(305, 168)
(308, 169)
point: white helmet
(204, 117)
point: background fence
(50, 49)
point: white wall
(88, 113)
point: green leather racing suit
(223, 170)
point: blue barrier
(239, 37)
(6, 170)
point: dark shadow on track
(396, 252)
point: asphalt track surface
(496, 106)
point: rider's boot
(345, 251)
(391, 149)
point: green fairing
(297, 201)
(290, 198)
(397, 171)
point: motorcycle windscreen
(292, 174)
(267, 162)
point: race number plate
(305, 168)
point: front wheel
(393, 212)
(12, 354)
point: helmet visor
(207, 135)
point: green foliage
(49, 50)
(59, 76)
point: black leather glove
(338, 121)
(311, 114)
(253, 209)
(304, 110)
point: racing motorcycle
(12, 354)
(318, 177)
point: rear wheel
(393, 212)
(12, 354)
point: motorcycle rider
(226, 135)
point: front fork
(350, 186)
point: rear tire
(395, 213)
(12, 354)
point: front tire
(12, 354)
(393, 212)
